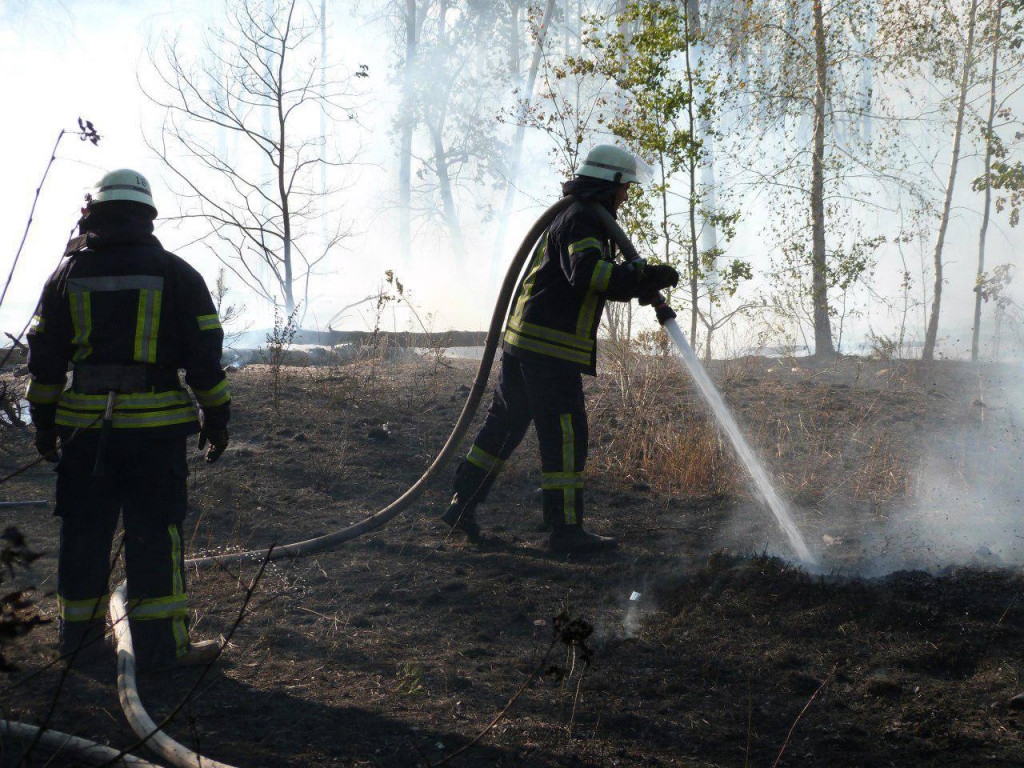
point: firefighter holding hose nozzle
(550, 341)
(126, 315)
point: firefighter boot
(83, 643)
(573, 540)
(200, 653)
(461, 516)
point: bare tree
(525, 98)
(459, 79)
(255, 78)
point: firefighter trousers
(551, 397)
(145, 481)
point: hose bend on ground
(177, 754)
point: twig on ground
(26, 757)
(1008, 607)
(540, 668)
(802, 711)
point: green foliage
(994, 286)
(645, 51)
(1007, 178)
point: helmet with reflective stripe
(123, 184)
(611, 163)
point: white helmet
(611, 163)
(123, 184)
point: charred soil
(402, 646)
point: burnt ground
(400, 647)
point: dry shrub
(647, 429)
(883, 474)
(818, 439)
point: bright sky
(80, 57)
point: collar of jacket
(103, 238)
(122, 226)
(592, 190)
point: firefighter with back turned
(126, 316)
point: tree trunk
(517, 142)
(514, 45)
(444, 183)
(867, 76)
(324, 239)
(741, 48)
(932, 333)
(976, 332)
(282, 182)
(694, 266)
(823, 348)
(408, 124)
(708, 233)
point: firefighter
(549, 342)
(126, 315)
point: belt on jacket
(96, 379)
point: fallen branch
(806, 707)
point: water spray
(750, 460)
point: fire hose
(141, 723)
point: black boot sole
(463, 523)
(558, 549)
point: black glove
(218, 439)
(46, 444)
(647, 298)
(656, 277)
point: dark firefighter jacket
(119, 301)
(557, 308)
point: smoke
(967, 495)
(634, 611)
(932, 480)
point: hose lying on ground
(57, 742)
(128, 692)
(476, 393)
(177, 754)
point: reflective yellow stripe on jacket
(81, 321)
(575, 347)
(208, 322)
(42, 394)
(131, 411)
(217, 395)
(544, 348)
(147, 325)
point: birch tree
(796, 98)
(996, 7)
(406, 126)
(932, 332)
